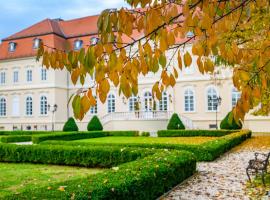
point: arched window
(78, 44)
(111, 103)
(189, 100)
(212, 99)
(3, 107)
(29, 106)
(15, 106)
(235, 96)
(43, 105)
(132, 104)
(94, 109)
(163, 103)
(12, 46)
(148, 101)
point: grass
(14, 177)
(149, 140)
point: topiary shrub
(175, 123)
(94, 124)
(225, 123)
(70, 125)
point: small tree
(94, 124)
(70, 125)
(175, 123)
(229, 123)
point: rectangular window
(2, 78)
(29, 77)
(15, 77)
(43, 74)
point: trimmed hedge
(81, 135)
(70, 155)
(70, 125)
(68, 136)
(146, 178)
(207, 151)
(16, 138)
(192, 133)
(23, 132)
(145, 134)
(94, 124)
(175, 123)
(225, 124)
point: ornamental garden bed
(204, 150)
(139, 173)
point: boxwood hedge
(193, 133)
(146, 178)
(207, 151)
(16, 138)
(24, 132)
(80, 135)
(70, 155)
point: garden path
(224, 178)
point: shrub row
(81, 135)
(70, 155)
(192, 133)
(24, 132)
(207, 151)
(16, 138)
(146, 178)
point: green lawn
(149, 140)
(15, 177)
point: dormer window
(36, 43)
(12, 46)
(94, 40)
(78, 44)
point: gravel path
(223, 178)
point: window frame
(3, 77)
(29, 78)
(17, 108)
(190, 91)
(3, 106)
(14, 46)
(75, 45)
(17, 80)
(207, 100)
(43, 105)
(111, 107)
(43, 73)
(29, 110)
(161, 105)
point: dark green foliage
(94, 124)
(146, 178)
(16, 138)
(70, 125)
(23, 132)
(80, 135)
(70, 155)
(145, 134)
(207, 151)
(175, 123)
(193, 133)
(230, 124)
(68, 136)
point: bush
(70, 155)
(193, 133)
(123, 133)
(207, 151)
(175, 123)
(23, 132)
(145, 134)
(68, 136)
(70, 125)
(225, 123)
(94, 124)
(146, 178)
(16, 138)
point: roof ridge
(79, 18)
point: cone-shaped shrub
(175, 123)
(225, 123)
(70, 125)
(94, 124)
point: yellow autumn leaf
(187, 59)
(179, 59)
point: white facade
(26, 90)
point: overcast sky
(16, 15)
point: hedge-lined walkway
(225, 178)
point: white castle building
(27, 90)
